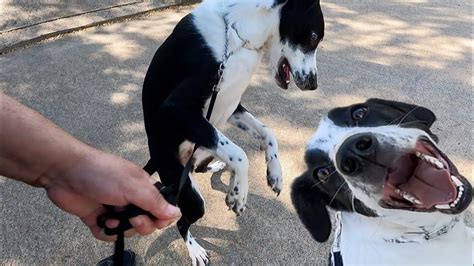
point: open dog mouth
(282, 76)
(426, 180)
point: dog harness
(168, 193)
(335, 257)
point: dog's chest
(366, 241)
(236, 77)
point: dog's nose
(306, 81)
(355, 152)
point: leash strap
(119, 249)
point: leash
(120, 257)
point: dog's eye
(323, 173)
(359, 113)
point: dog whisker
(400, 119)
(337, 191)
(410, 122)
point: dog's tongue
(430, 185)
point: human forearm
(32, 148)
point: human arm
(78, 178)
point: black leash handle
(131, 211)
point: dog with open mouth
(220, 44)
(400, 198)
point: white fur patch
(196, 252)
(216, 166)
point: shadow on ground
(89, 83)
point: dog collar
(244, 43)
(424, 234)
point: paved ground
(90, 83)
(24, 22)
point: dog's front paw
(274, 175)
(236, 198)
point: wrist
(60, 168)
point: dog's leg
(195, 128)
(191, 204)
(242, 119)
(236, 160)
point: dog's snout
(306, 81)
(355, 151)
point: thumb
(148, 197)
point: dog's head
(301, 29)
(378, 158)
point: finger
(98, 233)
(112, 223)
(147, 197)
(160, 224)
(142, 224)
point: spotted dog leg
(236, 160)
(242, 119)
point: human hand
(82, 186)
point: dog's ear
(413, 112)
(311, 208)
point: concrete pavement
(23, 23)
(89, 83)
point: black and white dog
(179, 82)
(400, 196)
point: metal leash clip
(131, 211)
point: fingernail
(173, 210)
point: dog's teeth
(434, 161)
(430, 159)
(452, 205)
(287, 81)
(408, 196)
(411, 198)
(443, 206)
(439, 164)
(456, 181)
(461, 189)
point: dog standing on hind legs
(179, 83)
